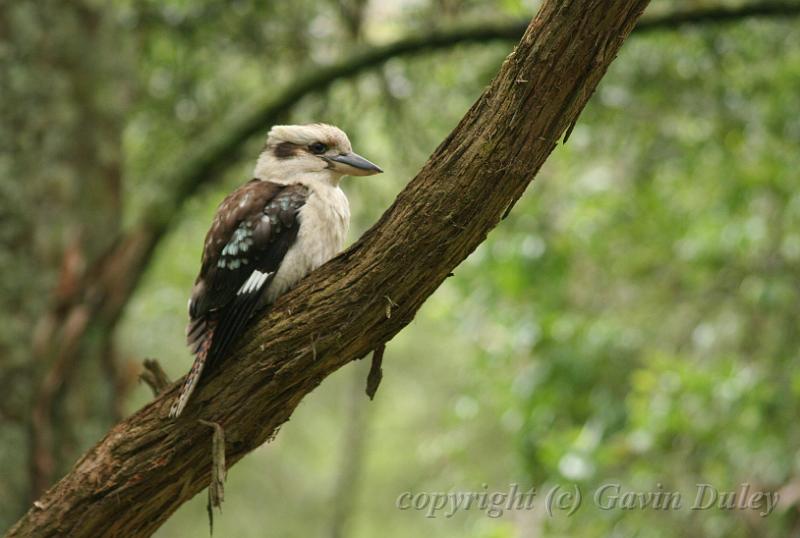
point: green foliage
(634, 320)
(653, 267)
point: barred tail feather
(199, 336)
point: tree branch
(719, 15)
(147, 466)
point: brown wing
(253, 229)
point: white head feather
(313, 152)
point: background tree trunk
(147, 466)
(60, 215)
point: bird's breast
(324, 222)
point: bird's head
(313, 150)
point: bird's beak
(353, 164)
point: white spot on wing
(253, 283)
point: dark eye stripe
(285, 150)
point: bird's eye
(318, 148)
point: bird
(268, 234)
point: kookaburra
(268, 234)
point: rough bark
(147, 466)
